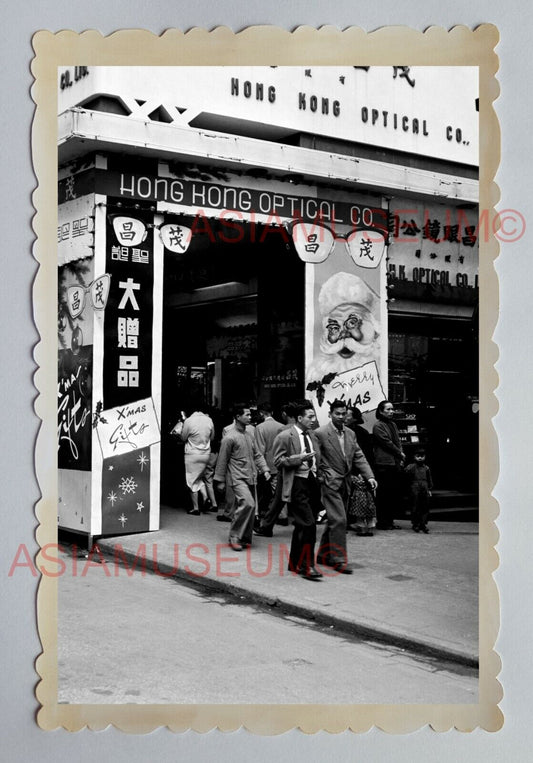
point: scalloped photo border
(261, 45)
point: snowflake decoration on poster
(123, 519)
(140, 506)
(142, 460)
(112, 497)
(128, 485)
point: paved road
(146, 639)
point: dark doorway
(233, 330)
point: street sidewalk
(415, 591)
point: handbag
(177, 429)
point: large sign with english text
(425, 110)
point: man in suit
(265, 434)
(339, 454)
(296, 458)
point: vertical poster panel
(74, 399)
(346, 332)
(127, 373)
(75, 361)
(127, 369)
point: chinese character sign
(434, 250)
(176, 238)
(129, 231)
(129, 314)
(366, 247)
(313, 242)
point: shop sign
(129, 315)
(360, 387)
(433, 245)
(424, 110)
(175, 238)
(98, 292)
(69, 77)
(75, 228)
(127, 428)
(274, 206)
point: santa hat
(344, 288)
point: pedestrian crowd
(256, 472)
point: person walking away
(339, 455)
(237, 465)
(420, 487)
(388, 461)
(197, 432)
(212, 503)
(265, 433)
(295, 455)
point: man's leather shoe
(223, 518)
(235, 544)
(342, 567)
(310, 573)
(336, 564)
(263, 532)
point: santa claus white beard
(329, 361)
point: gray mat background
(22, 740)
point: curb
(380, 634)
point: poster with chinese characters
(128, 319)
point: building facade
(238, 234)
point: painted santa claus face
(346, 330)
(349, 335)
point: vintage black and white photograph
(268, 389)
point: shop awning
(81, 131)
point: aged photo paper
(295, 223)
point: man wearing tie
(295, 457)
(339, 454)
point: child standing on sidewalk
(420, 487)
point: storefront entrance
(233, 330)
(433, 382)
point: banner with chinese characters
(345, 321)
(127, 371)
(125, 419)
